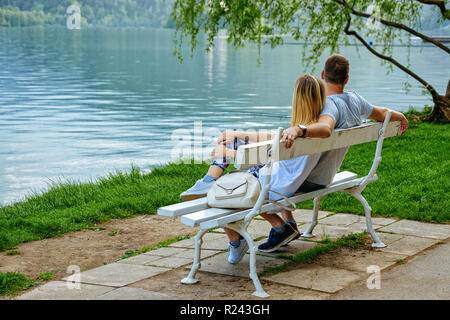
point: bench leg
(367, 211)
(308, 232)
(190, 279)
(240, 227)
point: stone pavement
(404, 266)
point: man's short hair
(336, 69)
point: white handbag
(240, 190)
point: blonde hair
(308, 101)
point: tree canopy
(325, 24)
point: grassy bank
(413, 183)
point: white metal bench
(197, 213)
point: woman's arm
(229, 135)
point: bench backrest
(258, 153)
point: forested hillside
(145, 13)
(148, 13)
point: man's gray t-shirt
(348, 110)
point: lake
(79, 104)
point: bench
(197, 213)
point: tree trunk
(441, 110)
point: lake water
(75, 105)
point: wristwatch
(303, 130)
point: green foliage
(45, 276)
(319, 22)
(12, 252)
(152, 13)
(13, 282)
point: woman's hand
(221, 151)
(226, 137)
(289, 136)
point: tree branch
(439, 4)
(398, 26)
(389, 59)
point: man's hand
(289, 135)
(403, 126)
(226, 137)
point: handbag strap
(294, 207)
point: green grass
(161, 244)
(353, 240)
(413, 176)
(45, 276)
(13, 282)
(12, 252)
(413, 183)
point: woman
(288, 176)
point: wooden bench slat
(342, 177)
(196, 218)
(214, 223)
(187, 207)
(182, 208)
(257, 153)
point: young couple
(317, 109)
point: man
(341, 110)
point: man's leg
(282, 233)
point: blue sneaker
(235, 254)
(199, 190)
(278, 239)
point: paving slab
(118, 274)
(322, 231)
(59, 290)
(305, 216)
(171, 262)
(128, 293)
(166, 251)
(409, 245)
(294, 247)
(211, 241)
(424, 277)
(141, 260)
(219, 264)
(342, 219)
(419, 229)
(361, 260)
(315, 277)
(259, 228)
(388, 238)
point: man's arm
(379, 114)
(321, 129)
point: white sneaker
(235, 254)
(198, 190)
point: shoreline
(412, 178)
